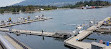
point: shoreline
(49, 10)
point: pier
(23, 22)
(28, 32)
(106, 30)
(107, 24)
(75, 41)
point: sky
(4, 3)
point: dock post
(42, 32)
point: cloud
(4, 3)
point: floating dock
(48, 34)
(27, 32)
(105, 30)
(24, 22)
(75, 41)
(107, 24)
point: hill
(47, 2)
(51, 2)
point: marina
(73, 42)
(55, 24)
(36, 39)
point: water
(60, 17)
(98, 36)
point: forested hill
(89, 3)
(51, 2)
(47, 2)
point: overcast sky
(9, 2)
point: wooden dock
(107, 24)
(75, 42)
(24, 22)
(104, 30)
(28, 32)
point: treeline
(90, 3)
(33, 8)
(29, 8)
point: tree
(1, 11)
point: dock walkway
(27, 32)
(24, 22)
(104, 30)
(75, 41)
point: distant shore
(25, 9)
(34, 8)
(88, 4)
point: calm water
(98, 36)
(60, 17)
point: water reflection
(41, 41)
(43, 37)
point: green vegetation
(90, 3)
(29, 8)
(2, 11)
(33, 8)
